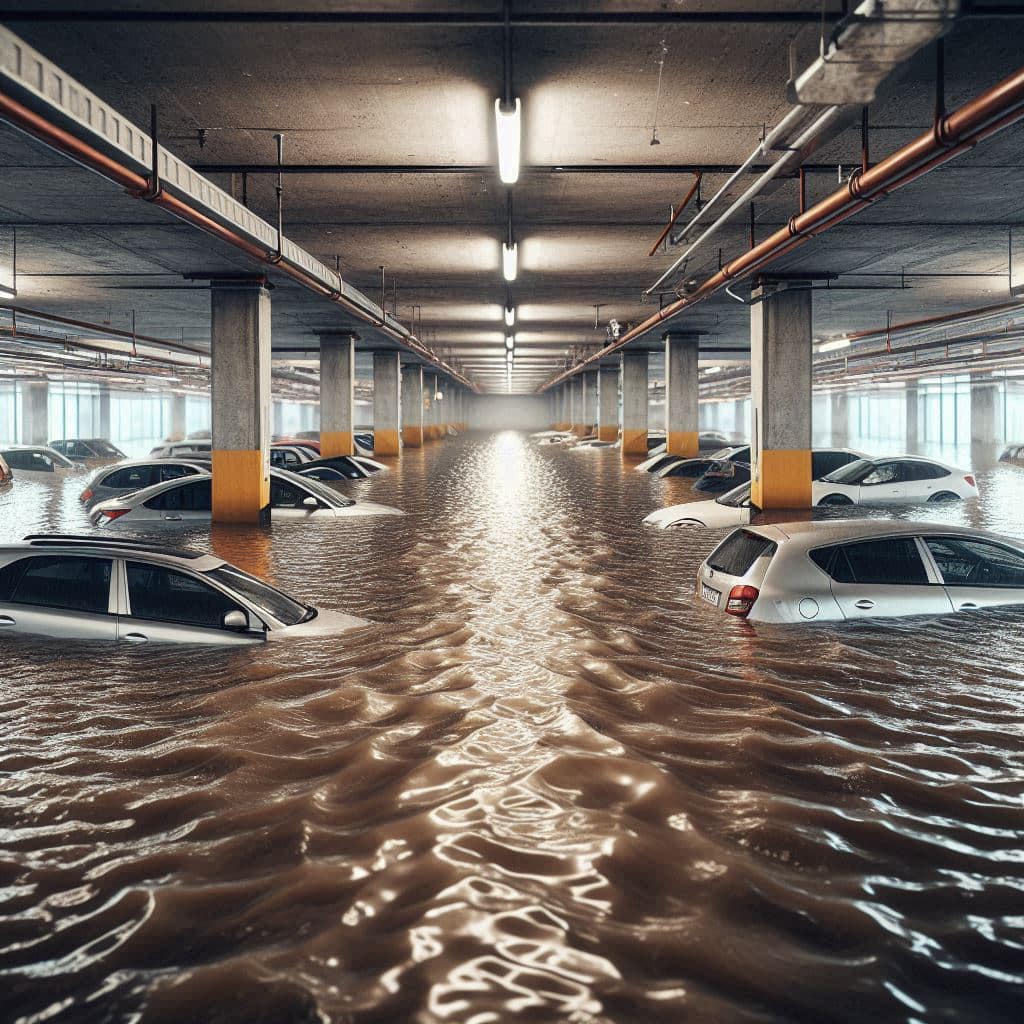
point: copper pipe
(697, 175)
(976, 120)
(137, 186)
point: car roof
(834, 531)
(58, 543)
(152, 460)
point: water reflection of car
(903, 480)
(38, 462)
(134, 475)
(92, 451)
(731, 509)
(92, 588)
(191, 501)
(854, 569)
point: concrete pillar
(740, 420)
(588, 400)
(178, 421)
(430, 410)
(780, 382)
(104, 424)
(608, 403)
(443, 410)
(913, 433)
(387, 388)
(240, 401)
(840, 417)
(35, 412)
(277, 418)
(412, 406)
(986, 414)
(633, 378)
(682, 409)
(337, 394)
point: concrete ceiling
(413, 94)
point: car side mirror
(235, 620)
(311, 503)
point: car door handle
(173, 519)
(864, 603)
(135, 638)
(6, 620)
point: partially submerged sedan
(342, 467)
(731, 509)
(673, 465)
(92, 451)
(853, 569)
(126, 477)
(901, 480)
(95, 588)
(191, 501)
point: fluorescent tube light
(510, 260)
(507, 123)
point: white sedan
(190, 501)
(731, 509)
(901, 480)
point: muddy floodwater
(543, 784)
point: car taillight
(110, 514)
(85, 495)
(970, 480)
(741, 600)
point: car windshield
(55, 457)
(279, 605)
(105, 448)
(738, 497)
(722, 453)
(326, 494)
(851, 473)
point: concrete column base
(785, 480)
(608, 434)
(685, 443)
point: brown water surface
(543, 785)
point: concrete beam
(412, 406)
(682, 406)
(608, 403)
(633, 379)
(387, 388)
(780, 381)
(337, 394)
(240, 401)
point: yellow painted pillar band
(241, 487)
(607, 433)
(412, 437)
(385, 442)
(634, 442)
(683, 442)
(784, 479)
(336, 442)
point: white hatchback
(900, 480)
(191, 501)
(854, 569)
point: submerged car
(95, 588)
(731, 509)
(725, 475)
(39, 462)
(853, 569)
(191, 501)
(292, 456)
(93, 451)
(126, 477)
(675, 465)
(901, 480)
(342, 467)
(1013, 453)
(181, 449)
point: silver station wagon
(821, 571)
(89, 588)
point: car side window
(194, 497)
(71, 583)
(77, 450)
(823, 463)
(175, 472)
(973, 563)
(157, 592)
(135, 477)
(893, 561)
(283, 495)
(884, 473)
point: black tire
(835, 499)
(942, 496)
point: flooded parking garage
(511, 511)
(543, 783)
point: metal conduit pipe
(136, 185)
(978, 119)
(822, 123)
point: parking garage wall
(509, 412)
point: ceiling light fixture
(510, 341)
(508, 123)
(510, 260)
(509, 356)
(510, 316)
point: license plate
(710, 595)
